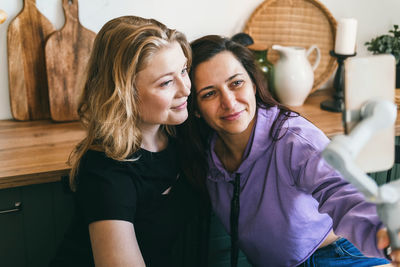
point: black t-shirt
(130, 191)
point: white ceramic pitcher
(293, 74)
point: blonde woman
(130, 201)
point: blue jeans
(340, 253)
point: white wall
(194, 18)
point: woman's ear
(197, 114)
(254, 88)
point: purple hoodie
(290, 198)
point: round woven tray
(296, 23)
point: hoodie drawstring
(234, 221)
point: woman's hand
(383, 241)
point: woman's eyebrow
(169, 73)
(206, 88)
(227, 80)
(233, 76)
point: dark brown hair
(194, 134)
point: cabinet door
(63, 210)
(12, 247)
(38, 223)
(29, 237)
(47, 213)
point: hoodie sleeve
(353, 217)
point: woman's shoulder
(99, 159)
(290, 124)
(105, 189)
(304, 133)
(95, 165)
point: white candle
(346, 33)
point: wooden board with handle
(3, 16)
(67, 52)
(26, 37)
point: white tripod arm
(342, 151)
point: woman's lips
(232, 116)
(181, 106)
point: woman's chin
(178, 119)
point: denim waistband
(334, 244)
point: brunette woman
(261, 165)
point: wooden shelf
(329, 122)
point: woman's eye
(166, 83)
(237, 82)
(184, 71)
(208, 94)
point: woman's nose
(184, 86)
(227, 99)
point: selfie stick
(341, 154)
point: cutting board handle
(29, 3)
(70, 10)
(3, 16)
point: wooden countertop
(37, 151)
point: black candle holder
(337, 104)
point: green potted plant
(388, 44)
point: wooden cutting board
(67, 52)
(26, 37)
(3, 16)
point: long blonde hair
(108, 106)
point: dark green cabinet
(12, 249)
(30, 236)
